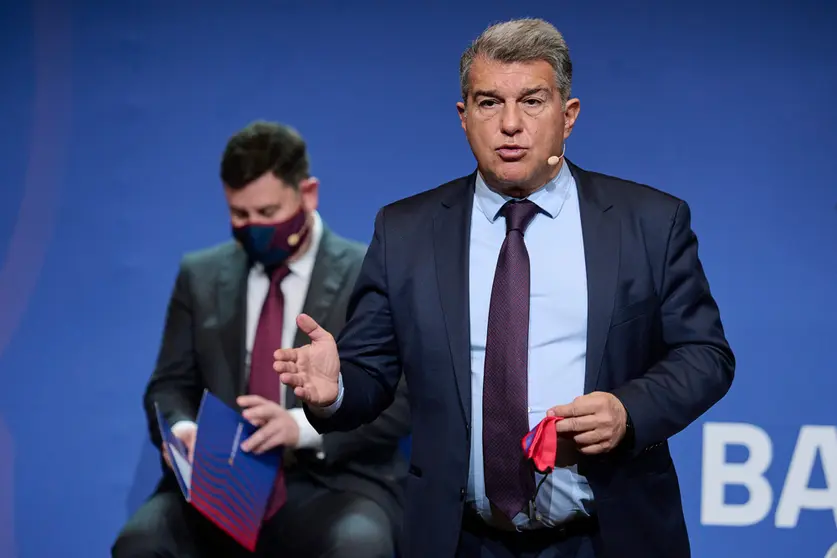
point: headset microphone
(555, 159)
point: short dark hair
(263, 147)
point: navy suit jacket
(655, 340)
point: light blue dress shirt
(557, 334)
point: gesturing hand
(276, 425)
(312, 370)
(596, 421)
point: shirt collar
(549, 198)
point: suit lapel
(232, 311)
(451, 241)
(600, 230)
(330, 268)
(451, 238)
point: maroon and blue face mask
(271, 245)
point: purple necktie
(264, 380)
(509, 480)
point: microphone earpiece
(555, 159)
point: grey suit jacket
(203, 347)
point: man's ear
(460, 108)
(309, 190)
(571, 111)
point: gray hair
(520, 40)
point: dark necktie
(264, 381)
(509, 480)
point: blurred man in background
(232, 306)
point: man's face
(268, 200)
(514, 121)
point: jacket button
(461, 494)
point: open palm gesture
(312, 370)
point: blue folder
(230, 487)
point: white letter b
(717, 474)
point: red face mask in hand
(540, 445)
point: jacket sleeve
(698, 367)
(175, 384)
(385, 431)
(369, 359)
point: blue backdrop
(114, 116)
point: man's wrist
(329, 410)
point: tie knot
(518, 215)
(278, 273)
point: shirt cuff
(309, 438)
(325, 412)
(182, 425)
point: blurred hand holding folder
(230, 487)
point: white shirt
(294, 290)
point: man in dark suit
(531, 288)
(232, 305)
